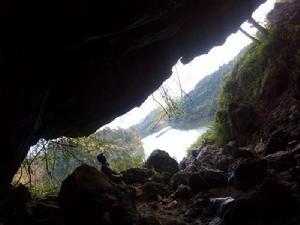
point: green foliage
(41, 190)
(275, 55)
(128, 162)
(217, 134)
(50, 162)
(199, 105)
(207, 138)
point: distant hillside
(197, 107)
(200, 104)
(153, 122)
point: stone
(277, 141)
(151, 190)
(164, 177)
(219, 205)
(230, 147)
(242, 119)
(204, 153)
(197, 222)
(212, 158)
(162, 162)
(182, 192)
(175, 222)
(281, 160)
(87, 196)
(186, 161)
(260, 148)
(136, 175)
(216, 221)
(195, 152)
(207, 179)
(13, 206)
(46, 211)
(179, 178)
(244, 153)
(268, 204)
(295, 173)
(246, 174)
(148, 219)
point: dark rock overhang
(69, 67)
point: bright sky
(192, 73)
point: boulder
(281, 161)
(219, 205)
(244, 153)
(148, 219)
(182, 192)
(175, 222)
(193, 166)
(13, 206)
(246, 174)
(230, 147)
(216, 221)
(87, 196)
(212, 158)
(196, 209)
(269, 204)
(277, 141)
(180, 177)
(152, 190)
(186, 161)
(162, 162)
(207, 179)
(242, 119)
(164, 177)
(295, 173)
(136, 175)
(46, 211)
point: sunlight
(196, 70)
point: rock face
(83, 63)
(13, 209)
(277, 141)
(247, 174)
(182, 192)
(87, 196)
(219, 205)
(136, 175)
(270, 204)
(207, 179)
(162, 162)
(242, 118)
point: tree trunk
(249, 35)
(263, 30)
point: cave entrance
(168, 119)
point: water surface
(174, 141)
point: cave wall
(68, 67)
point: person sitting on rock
(109, 172)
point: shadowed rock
(162, 162)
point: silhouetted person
(111, 173)
(102, 159)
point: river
(174, 141)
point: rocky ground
(230, 185)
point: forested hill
(197, 107)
